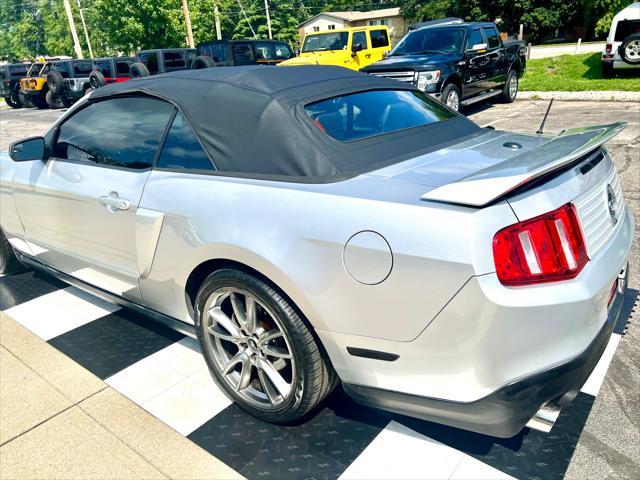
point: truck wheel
(8, 261)
(53, 101)
(96, 79)
(203, 61)
(13, 101)
(25, 101)
(138, 70)
(55, 82)
(510, 89)
(630, 49)
(258, 348)
(451, 97)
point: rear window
(272, 51)
(150, 59)
(174, 60)
(62, 67)
(366, 114)
(626, 28)
(82, 68)
(123, 67)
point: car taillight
(608, 48)
(547, 248)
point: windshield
(365, 114)
(326, 41)
(272, 51)
(34, 70)
(430, 40)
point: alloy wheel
(249, 347)
(513, 86)
(453, 100)
(632, 50)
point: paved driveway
(598, 435)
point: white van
(623, 43)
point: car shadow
(594, 70)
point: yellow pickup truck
(349, 47)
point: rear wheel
(259, 349)
(55, 82)
(53, 100)
(25, 100)
(451, 97)
(13, 100)
(8, 260)
(510, 89)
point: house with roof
(390, 17)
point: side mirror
(478, 46)
(385, 54)
(356, 47)
(28, 149)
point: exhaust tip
(545, 418)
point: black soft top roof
(251, 120)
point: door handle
(114, 203)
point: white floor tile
(399, 452)
(59, 312)
(183, 356)
(594, 382)
(144, 380)
(472, 469)
(187, 405)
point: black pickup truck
(460, 63)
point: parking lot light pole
(86, 33)
(216, 14)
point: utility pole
(247, 19)
(86, 33)
(187, 19)
(72, 26)
(216, 14)
(266, 9)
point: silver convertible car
(315, 226)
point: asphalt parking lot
(608, 443)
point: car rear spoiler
(487, 185)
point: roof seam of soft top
(253, 89)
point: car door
(379, 44)
(80, 206)
(498, 63)
(477, 69)
(361, 55)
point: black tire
(25, 101)
(55, 82)
(53, 101)
(138, 70)
(446, 97)
(607, 69)
(631, 57)
(202, 61)
(9, 263)
(13, 100)
(96, 79)
(508, 95)
(314, 376)
(41, 100)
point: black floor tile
(114, 342)
(18, 288)
(321, 447)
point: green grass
(574, 73)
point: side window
(121, 132)
(242, 52)
(475, 38)
(379, 38)
(122, 68)
(360, 38)
(151, 62)
(174, 60)
(493, 40)
(82, 68)
(181, 148)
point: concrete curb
(591, 96)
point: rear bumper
(506, 411)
